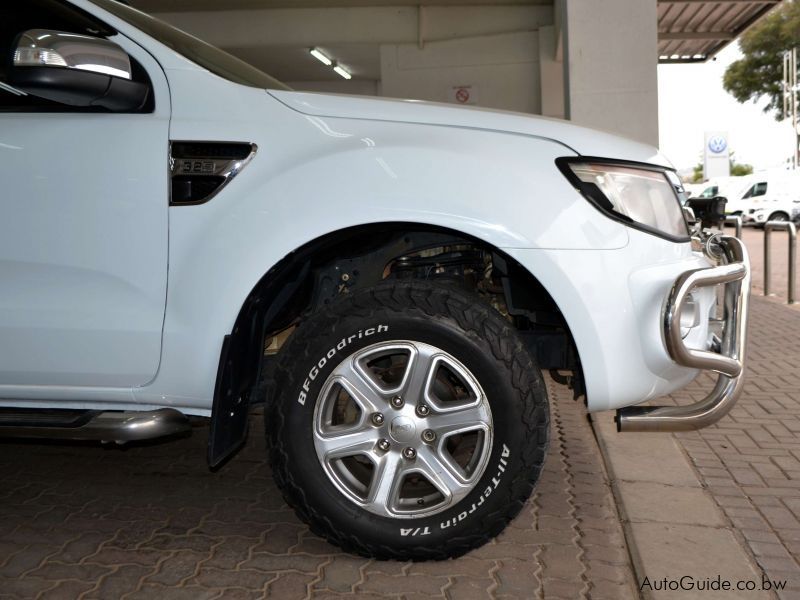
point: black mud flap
(240, 367)
(229, 411)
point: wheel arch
(779, 212)
(304, 278)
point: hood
(580, 140)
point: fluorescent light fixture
(320, 57)
(329, 62)
(342, 71)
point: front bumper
(755, 216)
(728, 363)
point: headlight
(642, 196)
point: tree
(760, 72)
(739, 169)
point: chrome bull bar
(728, 363)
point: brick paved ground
(80, 521)
(750, 461)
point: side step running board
(108, 426)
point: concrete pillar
(610, 62)
(552, 72)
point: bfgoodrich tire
(409, 422)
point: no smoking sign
(463, 94)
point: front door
(83, 226)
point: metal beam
(697, 35)
(680, 61)
(162, 6)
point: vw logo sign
(717, 144)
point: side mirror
(77, 70)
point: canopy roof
(696, 30)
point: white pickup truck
(183, 235)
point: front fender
(312, 176)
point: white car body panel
(325, 163)
(591, 141)
(615, 313)
(83, 244)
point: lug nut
(428, 435)
(377, 419)
(397, 401)
(423, 410)
(383, 445)
(409, 453)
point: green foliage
(737, 169)
(760, 72)
(697, 173)
(741, 169)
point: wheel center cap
(402, 429)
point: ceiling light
(342, 71)
(320, 57)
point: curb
(672, 526)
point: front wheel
(410, 422)
(778, 216)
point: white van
(771, 197)
(731, 188)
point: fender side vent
(199, 170)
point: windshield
(207, 56)
(758, 189)
(709, 192)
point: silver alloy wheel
(379, 453)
